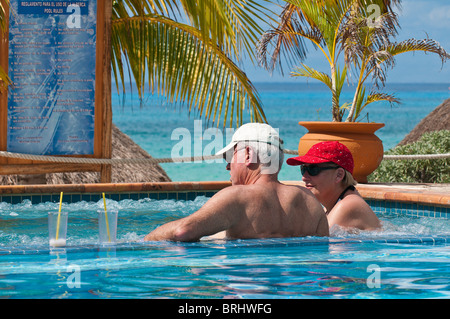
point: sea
(168, 130)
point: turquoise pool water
(408, 259)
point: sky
(418, 19)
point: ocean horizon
(166, 130)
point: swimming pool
(408, 259)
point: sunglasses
(314, 170)
(228, 156)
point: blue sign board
(52, 67)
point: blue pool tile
(67, 198)
(153, 196)
(191, 196)
(16, 199)
(444, 212)
(162, 196)
(96, 197)
(181, 195)
(134, 196)
(7, 199)
(36, 199)
(46, 198)
(142, 195)
(26, 198)
(76, 198)
(172, 195)
(115, 197)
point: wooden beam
(47, 168)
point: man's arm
(322, 227)
(221, 212)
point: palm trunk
(355, 97)
(335, 98)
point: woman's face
(319, 178)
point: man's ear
(250, 156)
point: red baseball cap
(325, 152)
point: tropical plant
(4, 79)
(187, 50)
(359, 32)
(417, 170)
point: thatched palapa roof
(437, 120)
(122, 147)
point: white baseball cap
(254, 132)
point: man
(256, 205)
(327, 171)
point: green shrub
(417, 171)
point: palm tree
(187, 50)
(348, 28)
(4, 79)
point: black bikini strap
(345, 190)
(342, 195)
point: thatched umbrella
(437, 120)
(122, 147)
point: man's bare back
(277, 210)
(261, 210)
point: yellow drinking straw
(106, 218)
(59, 215)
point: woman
(327, 171)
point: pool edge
(435, 194)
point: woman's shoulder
(351, 204)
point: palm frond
(362, 101)
(425, 45)
(234, 25)
(4, 79)
(376, 97)
(184, 50)
(306, 71)
(177, 62)
(340, 78)
(3, 5)
(286, 38)
(288, 41)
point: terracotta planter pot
(360, 138)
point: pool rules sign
(58, 60)
(51, 107)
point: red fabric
(323, 152)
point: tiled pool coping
(432, 200)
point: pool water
(407, 259)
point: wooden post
(105, 65)
(4, 40)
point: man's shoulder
(251, 191)
(256, 190)
(234, 191)
(298, 190)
